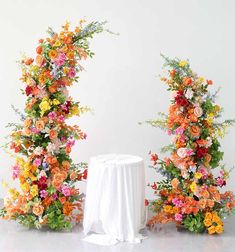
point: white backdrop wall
(121, 82)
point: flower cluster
(190, 193)
(42, 142)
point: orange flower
(42, 79)
(38, 209)
(67, 149)
(40, 125)
(73, 175)
(62, 200)
(210, 203)
(193, 118)
(28, 122)
(175, 183)
(39, 60)
(195, 131)
(65, 165)
(202, 203)
(67, 208)
(53, 88)
(187, 81)
(51, 160)
(52, 54)
(205, 194)
(53, 134)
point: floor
(14, 238)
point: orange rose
(202, 203)
(53, 134)
(68, 149)
(39, 60)
(62, 200)
(193, 118)
(40, 125)
(210, 203)
(66, 165)
(205, 194)
(73, 175)
(28, 122)
(175, 183)
(38, 209)
(195, 131)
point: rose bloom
(28, 122)
(198, 111)
(38, 209)
(182, 152)
(53, 134)
(195, 131)
(178, 217)
(175, 183)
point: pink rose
(198, 111)
(182, 152)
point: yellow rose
(44, 106)
(52, 54)
(207, 222)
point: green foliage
(194, 223)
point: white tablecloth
(115, 195)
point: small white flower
(189, 93)
(209, 142)
(51, 147)
(38, 151)
(198, 111)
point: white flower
(38, 151)
(182, 152)
(198, 111)
(209, 142)
(42, 174)
(51, 147)
(189, 93)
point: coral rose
(175, 183)
(40, 125)
(38, 209)
(195, 131)
(53, 134)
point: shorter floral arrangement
(189, 195)
(42, 142)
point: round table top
(117, 159)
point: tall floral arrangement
(189, 195)
(42, 142)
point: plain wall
(121, 82)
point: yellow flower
(25, 187)
(14, 193)
(55, 102)
(197, 175)
(57, 43)
(34, 190)
(52, 54)
(219, 229)
(26, 174)
(207, 222)
(208, 215)
(211, 230)
(183, 63)
(44, 106)
(167, 209)
(217, 108)
(193, 186)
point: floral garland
(42, 142)
(189, 195)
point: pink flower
(37, 162)
(65, 190)
(169, 132)
(15, 171)
(43, 194)
(177, 202)
(71, 142)
(179, 130)
(203, 171)
(61, 118)
(182, 152)
(178, 217)
(54, 196)
(220, 182)
(60, 60)
(72, 72)
(198, 111)
(52, 115)
(189, 152)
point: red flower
(180, 99)
(154, 186)
(85, 174)
(201, 152)
(154, 157)
(146, 202)
(28, 90)
(209, 82)
(172, 72)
